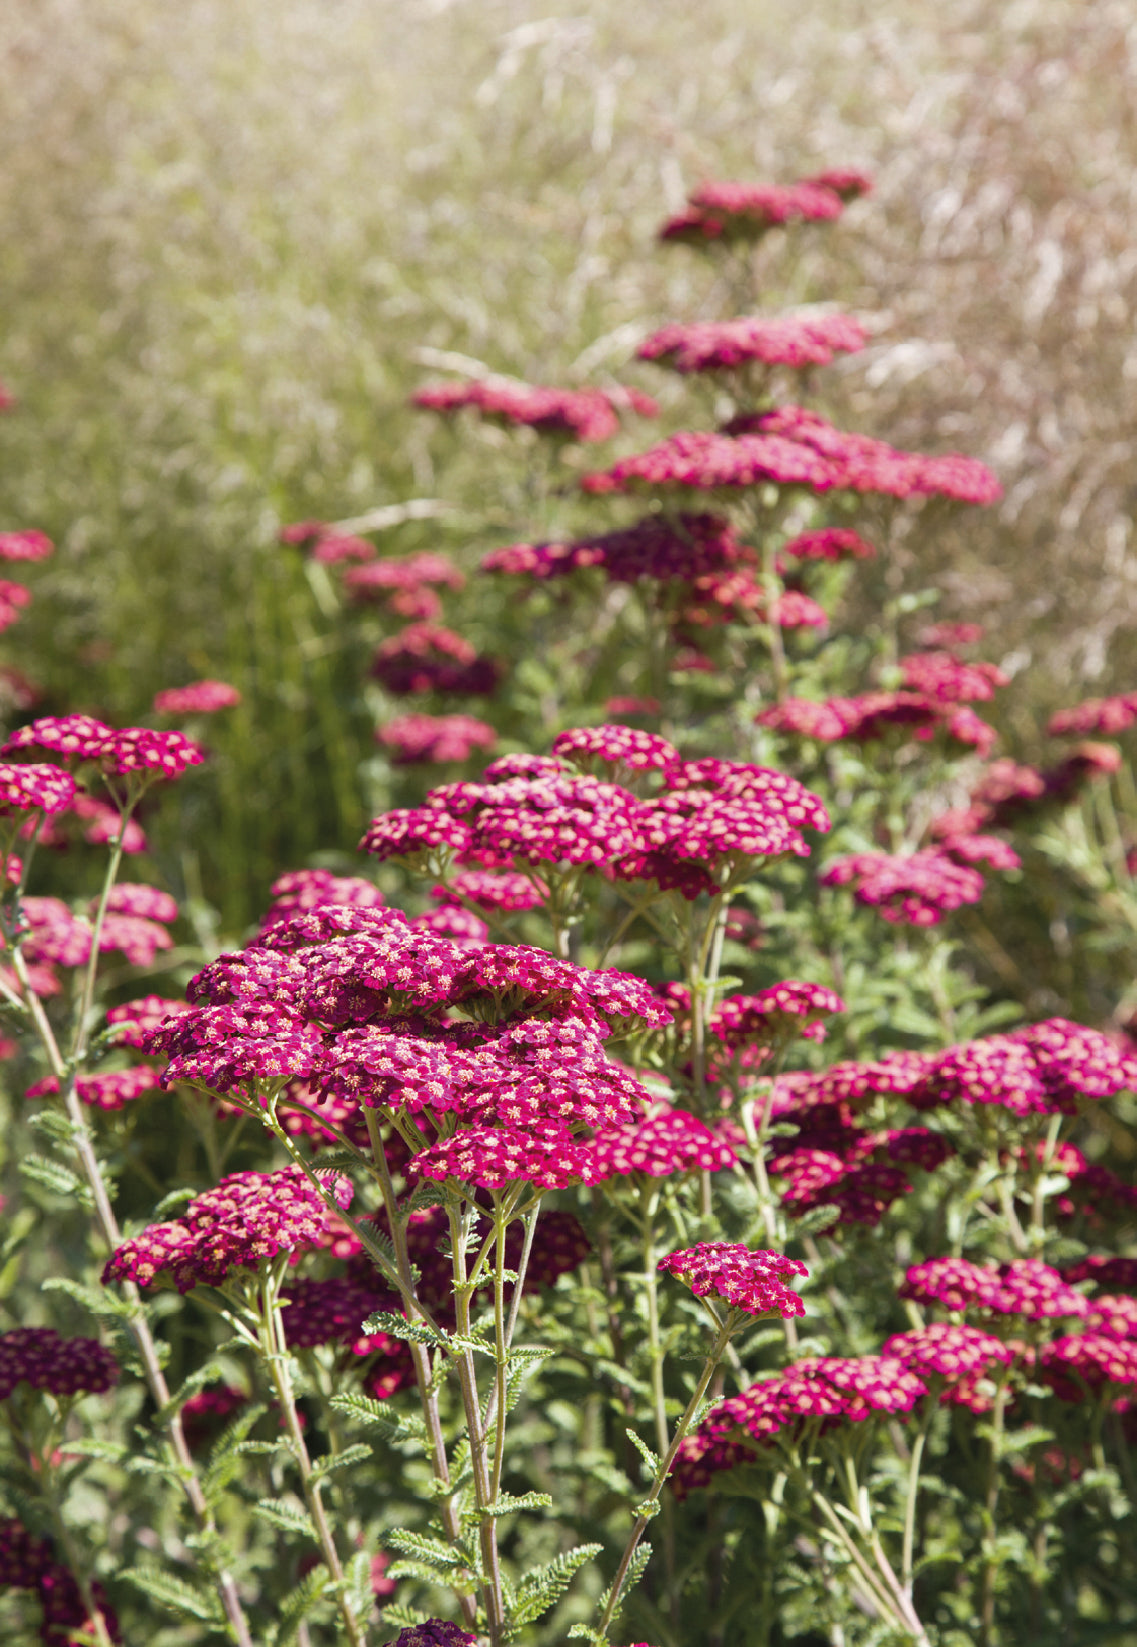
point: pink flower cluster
(1026, 1287)
(509, 894)
(65, 1367)
(1046, 1067)
(743, 211)
(725, 345)
(1087, 1363)
(790, 446)
(579, 414)
(198, 698)
(358, 1002)
(875, 715)
(667, 1143)
(662, 547)
(532, 810)
(944, 678)
(829, 543)
(744, 1279)
(35, 788)
(134, 749)
(434, 739)
(958, 1356)
(303, 889)
(1105, 716)
(1105, 1270)
(14, 597)
(786, 1009)
(28, 545)
(407, 585)
(827, 1390)
(425, 657)
(248, 1219)
(110, 1090)
(918, 888)
(55, 936)
(147, 903)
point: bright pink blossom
(199, 698)
(746, 1280)
(25, 546)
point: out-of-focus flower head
(579, 414)
(198, 698)
(434, 739)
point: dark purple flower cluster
(436, 1632)
(425, 657)
(790, 446)
(28, 1563)
(662, 547)
(65, 1367)
(248, 1219)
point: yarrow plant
(619, 1202)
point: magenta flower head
(436, 1632)
(198, 698)
(80, 736)
(28, 545)
(63, 1366)
(750, 1281)
(155, 754)
(788, 1008)
(32, 788)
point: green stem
(637, 1532)
(276, 1355)
(468, 1385)
(138, 1324)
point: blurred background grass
(228, 228)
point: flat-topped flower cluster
(702, 819)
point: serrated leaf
(632, 1577)
(98, 1300)
(365, 1410)
(507, 1503)
(360, 1596)
(190, 1600)
(169, 1203)
(439, 1557)
(404, 1617)
(298, 1603)
(539, 1590)
(55, 1177)
(397, 1326)
(650, 1459)
(86, 1446)
(816, 1219)
(355, 1454)
(284, 1514)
